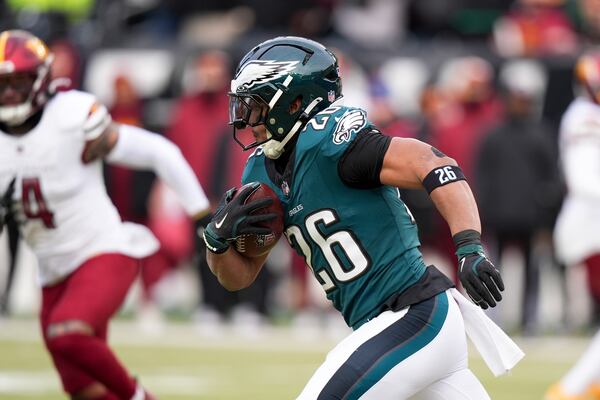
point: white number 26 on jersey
(343, 240)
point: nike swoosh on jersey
(220, 223)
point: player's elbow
(232, 279)
(169, 149)
(224, 278)
(232, 287)
(232, 283)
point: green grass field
(181, 364)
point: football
(259, 245)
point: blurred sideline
(178, 292)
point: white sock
(585, 371)
(139, 393)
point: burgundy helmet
(24, 76)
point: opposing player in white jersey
(577, 232)
(51, 151)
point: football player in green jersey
(337, 178)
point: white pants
(419, 353)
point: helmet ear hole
(332, 75)
(295, 105)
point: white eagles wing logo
(260, 71)
(351, 122)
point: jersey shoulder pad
(334, 128)
(336, 124)
(81, 112)
(581, 120)
(348, 124)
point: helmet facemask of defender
(269, 79)
(24, 76)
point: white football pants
(419, 352)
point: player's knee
(73, 326)
(65, 337)
(94, 391)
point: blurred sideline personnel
(199, 128)
(517, 178)
(51, 147)
(535, 28)
(577, 231)
(469, 107)
(336, 176)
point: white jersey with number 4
(65, 213)
(577, 231)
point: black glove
(234, 218)
(6, 204)
(479, 277)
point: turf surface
(181, 364)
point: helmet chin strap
(273, 149)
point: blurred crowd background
(484, 82)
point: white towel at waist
(498, 350)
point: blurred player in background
(517, 178)
(337, 177)
(199, 128)
(51, 151)
(577, 231)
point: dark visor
(247, 111)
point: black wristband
(442, 176)
(468, 236)
(467, 242)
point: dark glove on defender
(479, 277)
(6, 204)
(199, 227)
(233, 218)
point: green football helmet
(269, 79)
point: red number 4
(34, 204)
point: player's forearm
(141, 149)
(410, 163)
(234, 271)
(457, 205)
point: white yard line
(271, 339)
(34, 383)
(181, 335)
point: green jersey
(361, 244)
